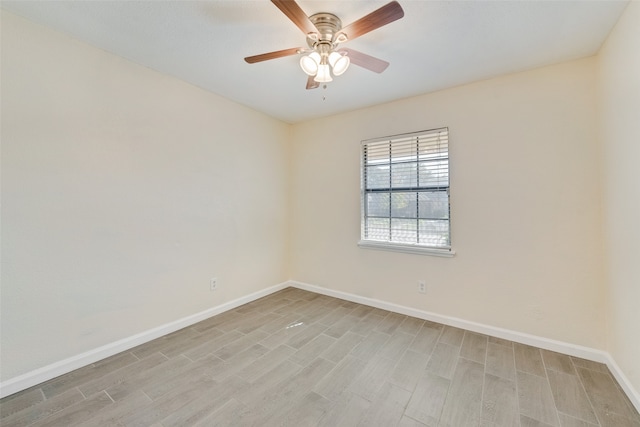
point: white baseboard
(61, 367)
(520, 337)
(624, 382)
(46, 373)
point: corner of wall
(618, 90)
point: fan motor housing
(327, 24)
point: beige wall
(619, 77)
(123, 192)
(525, 201)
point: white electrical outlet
(213, 284)
(422, 286)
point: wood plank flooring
(295, 358)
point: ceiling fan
(325, 33)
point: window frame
(394, 245)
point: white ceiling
(438, 44)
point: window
(405, 193)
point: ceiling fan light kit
(323, 60)
(323, 57)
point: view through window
(405, 190)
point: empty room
(320, 213)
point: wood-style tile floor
(297, 358)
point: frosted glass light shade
(339, 63)
(316, 57)
(309, 63)
(324, 74)
(309, 66)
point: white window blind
(405, 190)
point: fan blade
(312, 84)
(296, 15)
(365, 61)
(272, 55)
(376, 19)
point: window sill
(412, 249)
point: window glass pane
(377, 229)
(434, 173)
(404, 175)
(433, 204)
(404, 205)
(377, 176)
(404, 230)
(378, 204)
(434, 233)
